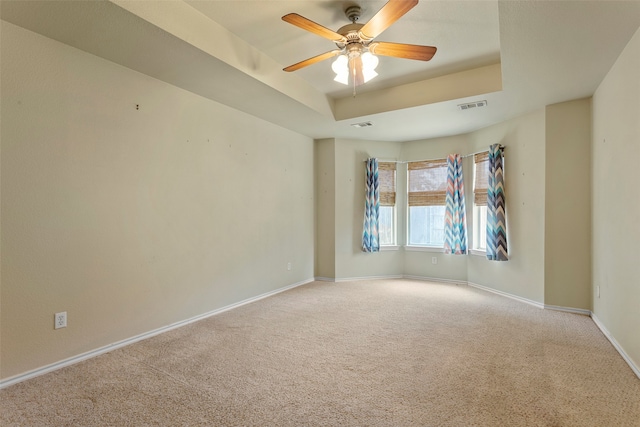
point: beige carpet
(369, 353)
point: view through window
(480, 186)
(386, 213)
(427, 187)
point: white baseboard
(423, 278)
(84, 356)
(353, 279)
(508, 295)
(581, 311)
(110, 347)
(435, 279)
(618, 347)
(536, 304)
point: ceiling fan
(356, 49)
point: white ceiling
(233, 52)
(466, 33)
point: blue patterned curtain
(496, 222)
(370, 241)
(455, 224)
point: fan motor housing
(350, 32)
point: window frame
(393, 226)
(479, 230)
(425, 200)
(390, 184)
(480, 209)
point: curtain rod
(430, 160)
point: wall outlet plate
(60, 320)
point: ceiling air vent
(471, 105)
(362, 125)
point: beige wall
(129, 219)
(351, 262)
(567, 239)
(325, 170)
(524, 171)
(522, 276)
(419, 263)
(616, 201)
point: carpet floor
(366, 353)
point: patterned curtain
(455, 224)
(496, 223)
(370, 242)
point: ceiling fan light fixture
(369, 64)
(368, 74)
(342, 78)
(369, 61)
(341, 67)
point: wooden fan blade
(390, 13)
(312, 60)
(401, 50)
(307, 24)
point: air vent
(471, 105)
(362, 125)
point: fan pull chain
(352, 67)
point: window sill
(389, 248)
(478, 252)
(423, 248)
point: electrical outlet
(60, 320)
(598, 291)
(434, 260)
(289, 266)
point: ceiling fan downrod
(353, 13)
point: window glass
(426, 225)
(480, 185)
(427, 187)
(386, 226)
(480, 228)
(386, 219)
